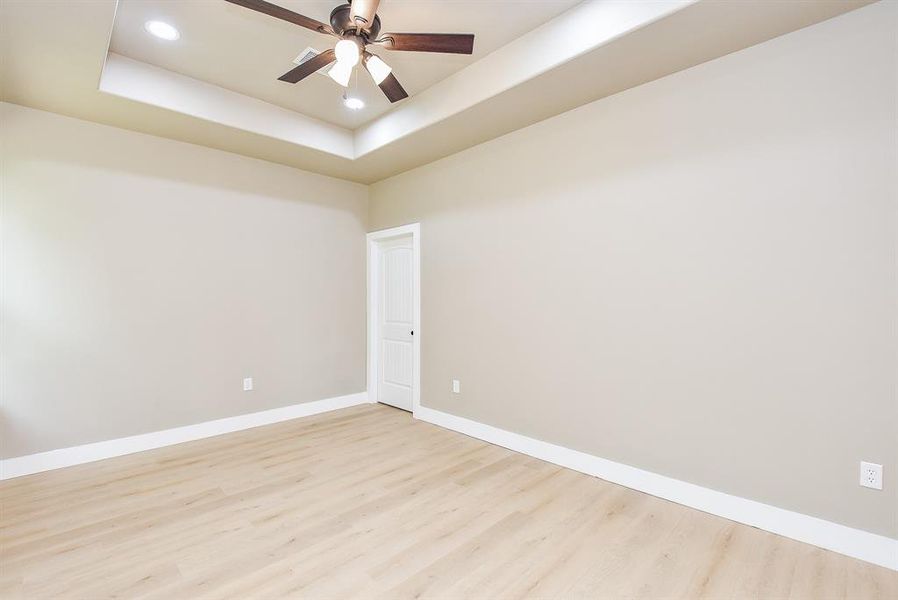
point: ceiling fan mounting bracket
(342, 24)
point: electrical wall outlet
(871, 475)
(247, 384)
(456, 386)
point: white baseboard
(76, 455)
(856, 543)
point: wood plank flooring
(368, 503)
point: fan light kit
(162, 30)
(357, 26)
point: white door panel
(396, 322)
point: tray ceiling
(243, 51)
(92, 60)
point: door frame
(373, 245)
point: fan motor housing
(342, 23)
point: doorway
(394, 312)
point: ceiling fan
(357, 25)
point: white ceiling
(55, 55)
(244, 51)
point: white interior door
(396, 322)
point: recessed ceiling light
(162, 30)
(353, 103)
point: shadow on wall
(143, 278)
(106, 148)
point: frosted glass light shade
(347, 52)
(378, 69)
(341, 72)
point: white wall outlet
(247, 384)
(456, 386)
(871, 475)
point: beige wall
(144, 278)
(696, 277)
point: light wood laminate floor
(368, 503)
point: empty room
(470, 299)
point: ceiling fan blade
(283, 14)
(309, 67)
(392, 89)
(453, 43)
(362, 12)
